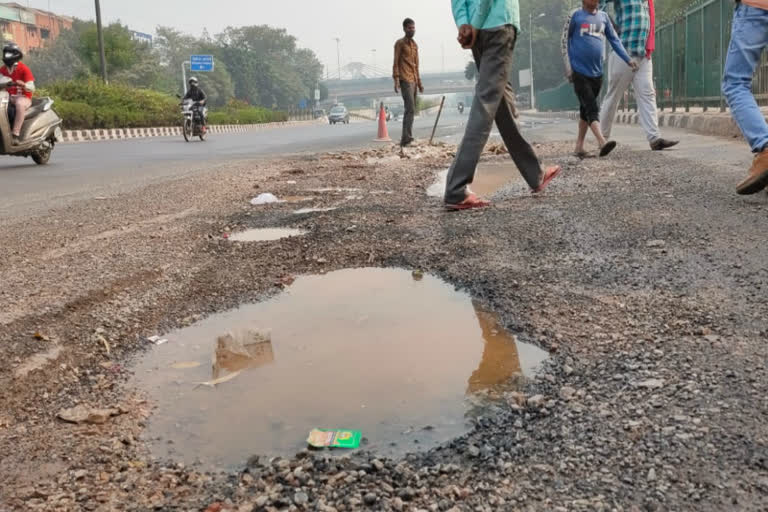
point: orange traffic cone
(383, 132)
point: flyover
(434, 83)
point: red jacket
(20, 73)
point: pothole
(265, 234)
(489, 179)
(403, 360)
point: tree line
(260, 65)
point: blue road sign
(201, 63)
(303, 104)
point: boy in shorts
(583, 46)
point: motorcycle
(39, 133)
(461, 108)
(194, 120)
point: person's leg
(619, 77)
(578, 87)
(492, 53)
(22, 104)
(408, 89)
(519, 149)
(583, 128)
(645, 95)
(749, 36)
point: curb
(73, 136)
(718, 124)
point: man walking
(636, 24)
(749, 38)
(489, 28)
(405, 72)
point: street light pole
(338, 54)
(530, 41)
(102, 56)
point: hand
(467, 36)
(397, 87)
(634, 66)
(569, 76)
(421, 89)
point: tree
(121, 51)
(470, 72)
(59, 61)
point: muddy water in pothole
(265, 234)
(376, 350)
(489, 179)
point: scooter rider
(22, 86)
(196, 94)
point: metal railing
(690, 56)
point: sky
(362, 25)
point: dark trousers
(494, 100)
(588, 90)
(409, 99)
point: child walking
(583, 46)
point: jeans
(409, 100)
(748, 39)
(494, 100)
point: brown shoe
(662, 144)
(758, 175)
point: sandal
(551, 174)
(607, 148)
(470, 203)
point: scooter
(39, 133)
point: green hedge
(89, 103)
(239, 112)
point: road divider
(72, 136)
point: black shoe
(661, 144)
(407, 142)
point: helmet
(12, 54)
(193, 81)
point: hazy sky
(363, 25)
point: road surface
(87, 170)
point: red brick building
(30, 28)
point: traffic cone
(383, 132)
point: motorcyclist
(461, 107)
(22, 86)
(196, 94)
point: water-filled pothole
(265, 234)
(489, 179)
(369, 349)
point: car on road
(339, 114)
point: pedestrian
(489, 28)
(636, 24)
(405, 73)
(583, 45)
(749, 37)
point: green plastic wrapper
(324, 438)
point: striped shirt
(633, 18)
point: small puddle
(265, 234)
(489, 179)
(401, 359)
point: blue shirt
(583, 42)
(486, 14)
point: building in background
(30, 28)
